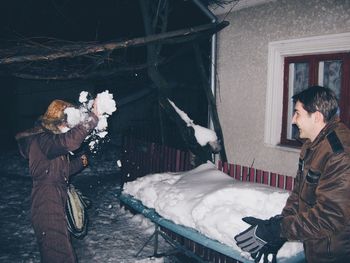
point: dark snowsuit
(50, 167)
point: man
(47, 148)
(318, 210)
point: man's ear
(319, 117)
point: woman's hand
(84, 160)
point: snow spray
(105, 106)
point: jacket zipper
(328, 244)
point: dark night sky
(86, 20)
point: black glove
(268, 249)
(262, 233)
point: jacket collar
(323, 133)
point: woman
(47, 148)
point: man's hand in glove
(265, 251)
(262, 238)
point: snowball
(105, 103)
(73, 116)
(83, 96)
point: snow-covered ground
(114, 235)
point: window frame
(277, 51)
(313, 62)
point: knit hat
(55, 116)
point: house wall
(242, 72)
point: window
(300, 72)
(277, 52)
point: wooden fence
(244, 173)
(141, 158)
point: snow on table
(211, 202)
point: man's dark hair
(317, 98)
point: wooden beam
(75, 50)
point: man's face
(305, 122)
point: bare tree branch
(80, 50)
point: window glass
(301, 77)
(298, 81)
(330, 75)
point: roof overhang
(232, 6)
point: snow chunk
(105, 103)
(83, 96)
(73, 116)
(203, 135)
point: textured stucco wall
(242, 72)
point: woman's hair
(55, 116)
(317, 98)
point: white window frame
(277, 51)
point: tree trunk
(211, 103)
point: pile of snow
(211, 202)
(105, 106)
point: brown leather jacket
(318, 209)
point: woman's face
(63, 128)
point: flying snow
(105, 104)
(83, 97)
